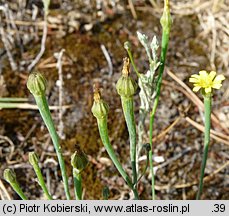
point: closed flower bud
(166, 20)
(36, 84)
(126, 86)
(79, 160)
(127, 45)
(10, 176)
(33, 158)
(100, 107)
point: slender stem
(137, 72)
(133, 63)
(146, 166)
(77, 184)
(207, 115)
(41, 180)
(102, 125)
(46, 116)
(166, 23)
(128, 110)
(18, 190)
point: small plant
(33, 159)
(206, 82)
(79, 162)
(10, 177)
(100, 111)
(37, 86)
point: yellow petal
(203, 73)
(217, 85)
(212, 75)
(208, 90)
(196, 88)
(219, 78)
(195, 76)
(193, 80)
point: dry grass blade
(167, 130)
(3, 192)
(213, 135)
(28, 106)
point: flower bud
(127, 45)
(126, 86)
(10, 176)
(100, 107)
(33, 158)
(46, 4)
(166, 20)
(79, 160)
(36, 84)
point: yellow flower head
(207, 81)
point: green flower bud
(127, 45)
(126, 86)
(36, 84)
(46, 4)
(166, 20)
(10, 176)
(79, 160)
(33, 158)
(100, 107)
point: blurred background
(84, 45)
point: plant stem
(166, 23)
(41, 180)
(128, 110)
(207, 115)
(10, 177)
(102, 125)
(46, 116)
(77, 184)
(8, 99)
(18, 190)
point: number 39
(219, 208)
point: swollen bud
(126, 86)
(33, 158)
(127, 45)
(36, 84)
(10, 176)
(79, 160)
(100, 107)
(166, 20)
(46, 4)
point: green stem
(103, 131)
(207, 115)
(133, 63)
(128, 110)
(5, 99)
(46, 116)
(137, 72)
(18, 190)
(41, 180)
(77, 184)
(166, 23)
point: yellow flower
(207, 81)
